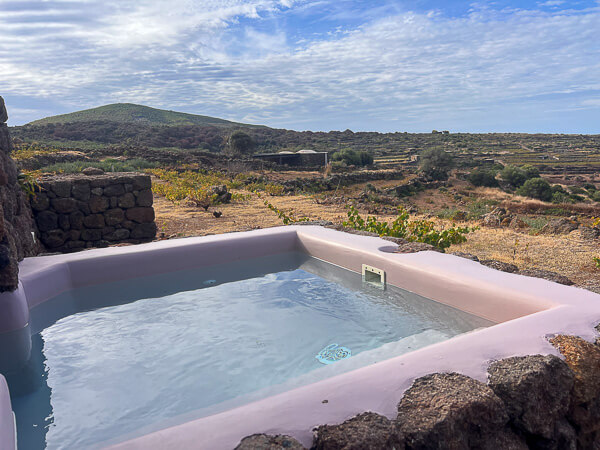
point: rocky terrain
(16, 222)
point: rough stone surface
(92, 171)
(16, 221)
(547, 275)
(537, 392)
(266, 442)
(144, 198)
(367, 431)
(140, 215)
(586, 233)
(499, 265)
(83, 211)
(452, 411)
(583, 358)
(466, 256)
(559, 226)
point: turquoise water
(133, 356)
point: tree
(240, 143)
(482, 177)
(513, 175)
(435, 164)
(517, 176)
(536, 188)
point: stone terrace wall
(80, 211)
(16, 223)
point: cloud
(262, 60)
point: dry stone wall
(16, 222)
(80, 211)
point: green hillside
(128, 112)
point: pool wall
(527, 311)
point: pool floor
(112, 360)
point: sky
(364, 65)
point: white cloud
(235, 59)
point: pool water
(109, 361)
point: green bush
(482, 177)
(577, 190)
(561, 197)
(596, 196)
(353, 158)
(530, 171)
(435, 164)
(536, 188)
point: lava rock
(559, 226)
(547, 275)
(536, 391)
(499, 265)
(266, 442)
(583, 358)
(452, 411)
(466, 256)
(368, 431)
(89, 171)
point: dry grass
(563, 254)
(567, 254)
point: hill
(131, 113)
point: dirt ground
(566, 254)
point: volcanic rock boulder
(16, 222)
(583, 358)
(266, 442)
(368, 431)
(452, 411)
(537, 392)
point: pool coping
(528, 311)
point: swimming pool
(162, 349)
(132, 319)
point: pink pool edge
(527, 311)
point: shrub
(413, 231)
(536, 188)
(353, 158)
(530, 171)
(513, 175)
(435, 164)
(561, 197)
(240, 143)
(481, 177)
(596, 196)
(577, 190)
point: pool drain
(333, 353)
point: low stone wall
(80, 211)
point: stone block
(127, 201)
(140, 214)
(64, 205)
(114, 216)
(145, 198)
(94, 221)
(98, 204)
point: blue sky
(367, 65)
